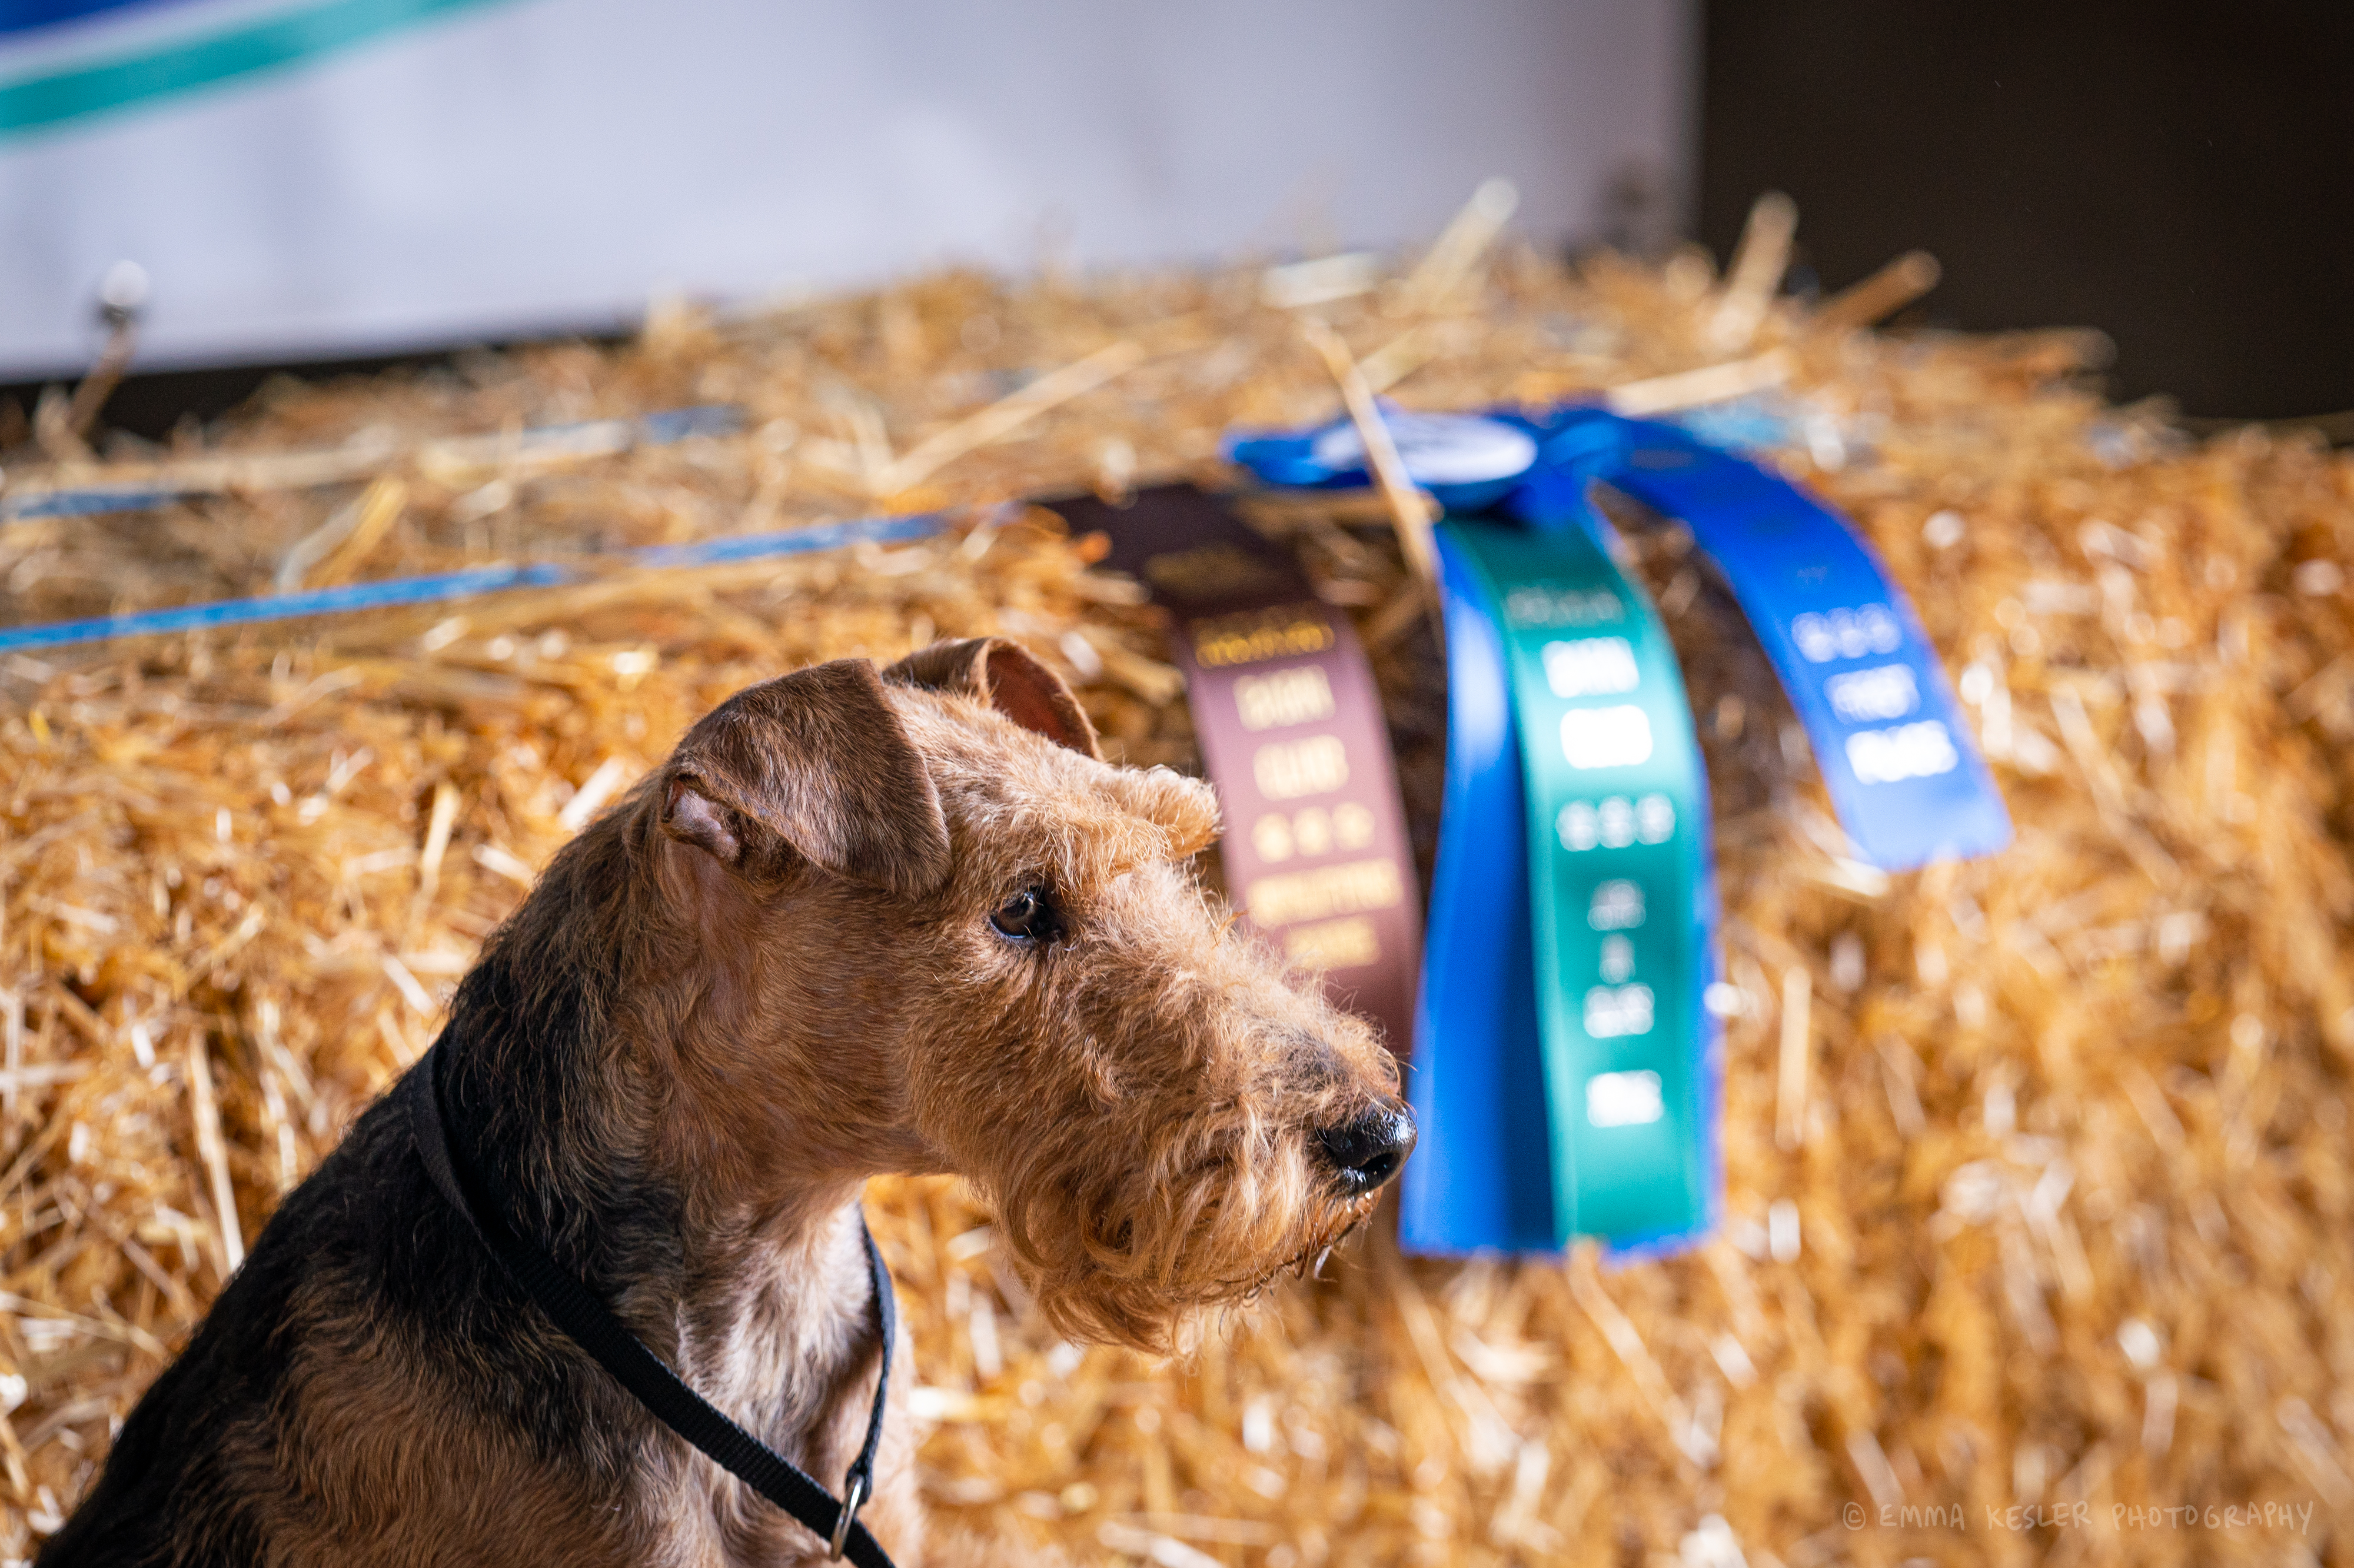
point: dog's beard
(1133, 1258)
(1308, 1263)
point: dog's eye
(1027, 917)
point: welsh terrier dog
(861, 921)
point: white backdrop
(511, 166)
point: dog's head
(992, 944)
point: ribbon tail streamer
(1586, 912)
(1904, 774)
(1482, 1175)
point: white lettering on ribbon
(1612, 1011)
(1618, 962)
(1624, 1100)
(1615, 822)
(1617, 906)
(1868, 628)
(1591, 667)
(1605, 737)
(1874, 697)
(1906, 751)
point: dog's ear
(819, 763)
(1003, 675)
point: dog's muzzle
(1366, 1152)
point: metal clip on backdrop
(1315, 852)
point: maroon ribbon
(1290, 723)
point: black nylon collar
(592, 1325)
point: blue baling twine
(395, 591)
(658, 429)
(85, 503)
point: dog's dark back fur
(365, 1265)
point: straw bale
(2038, 1214)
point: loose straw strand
(1410, 509)
(1006, 414)
(1461, 245)
(1709, 384)
(1758, 263)
(1882, 294)
(213, 1149)
(1790, 1084)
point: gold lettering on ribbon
(1255, 636)
(1211, 571)
(1319, 895)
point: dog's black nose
(1367, 1151)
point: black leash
(592, 1326)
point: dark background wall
(2180, 176)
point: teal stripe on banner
(34, 103)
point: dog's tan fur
(790, 983)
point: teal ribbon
(1615, 831)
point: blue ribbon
(1903, 774)
(1482, 1176)
(1904, 777)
